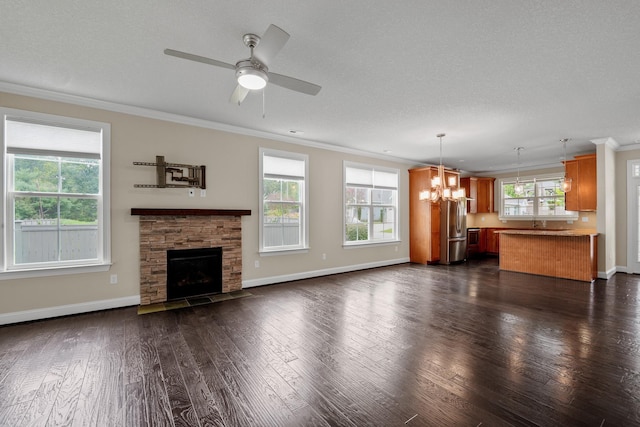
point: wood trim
(190, 212)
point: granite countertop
(559, 233)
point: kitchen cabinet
(485, 195)
(424, 217)
(482, 243)
(583, 194)
(479, 190)
(470, 185)
(492, 241)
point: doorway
(633, 216)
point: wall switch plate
(256, 264)
(113, 279)
(203, 192)
(192, 192)
(324, 257)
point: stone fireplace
(162, 230)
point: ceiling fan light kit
(250, 76)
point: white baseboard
(65, 310)
(609, 273)
(317, 273)
(621, 269)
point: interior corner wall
(232, 183)
(606, 224)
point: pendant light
(518, 187)
(442, 189)
(566, 182)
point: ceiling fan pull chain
(264, 104)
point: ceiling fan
(253, 73)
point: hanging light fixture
(518, 187)
(442, 189)
(566, 182)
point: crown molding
(83, 101)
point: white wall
(232, 183)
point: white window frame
(10, 270)
(396, 223)
(570, 216)
(303, 246)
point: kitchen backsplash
(585, 220)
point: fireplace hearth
(193, 272)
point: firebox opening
(193, 272)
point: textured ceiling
(493, 74)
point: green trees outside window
(73, 178)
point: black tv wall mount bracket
(174, 175)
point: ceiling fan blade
(238, 95)
(270, 44)
(198, 58)
(294, 84)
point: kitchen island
(567, 254)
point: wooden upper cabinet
(485, 195)
(571, 198)
(424, 217)
(583, 194)
(480, 192)
(470, 185)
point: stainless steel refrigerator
(453, 231)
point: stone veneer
(159, 233)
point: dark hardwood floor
(408, 345)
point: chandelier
(519, 186)
(566, 182)
(442, 189)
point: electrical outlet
(113, 279)
(256, 264)
(324, 257)
(585, 219)
(203, 192)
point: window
(370, 204)
(283, 188)
(56, 192)
(542, 198)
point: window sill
(284, 252)
(357, 244)
(53, 271)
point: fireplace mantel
(189, 212)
